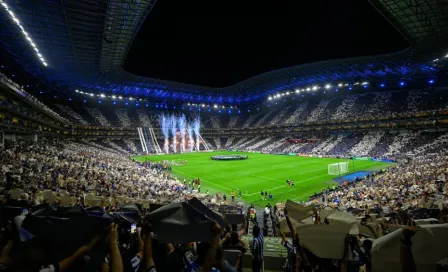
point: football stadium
(144, 136)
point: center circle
(229, 157)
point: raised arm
(288, 221)
(115, 256)
(210, 257)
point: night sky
(219, 43)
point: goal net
(338, 168)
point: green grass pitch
(260, 172)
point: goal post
(338, 168)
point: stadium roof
(82, 44)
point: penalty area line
(210, 182)
(296, 182)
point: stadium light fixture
(120, 97)
(130, 98)
(30, 40)
(382, 85)
(446, 56)
(215, 106)
(431, 81)
(365, 83)
(402, 83)
(287, 93)
(91, 94)
(356, 83)
(77, 91)
(315, 88)
(102, 95)
(435, 60)
(308, 89)
(270, 98)
(113, 96)
(328, 86)
(340, 85)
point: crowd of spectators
(65, 179)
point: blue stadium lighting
(431, 81)
(209, 110)
(85, 101)
(115, 103)
(337, 90)
(219, 111)
(239, 112)
(99, 101)
(402, 83)
(136, 104)
(126, 103)
(69, 99)
(382, 85)
(365, 86)
(148, 105)
(27, 36)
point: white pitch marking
(300, 181)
